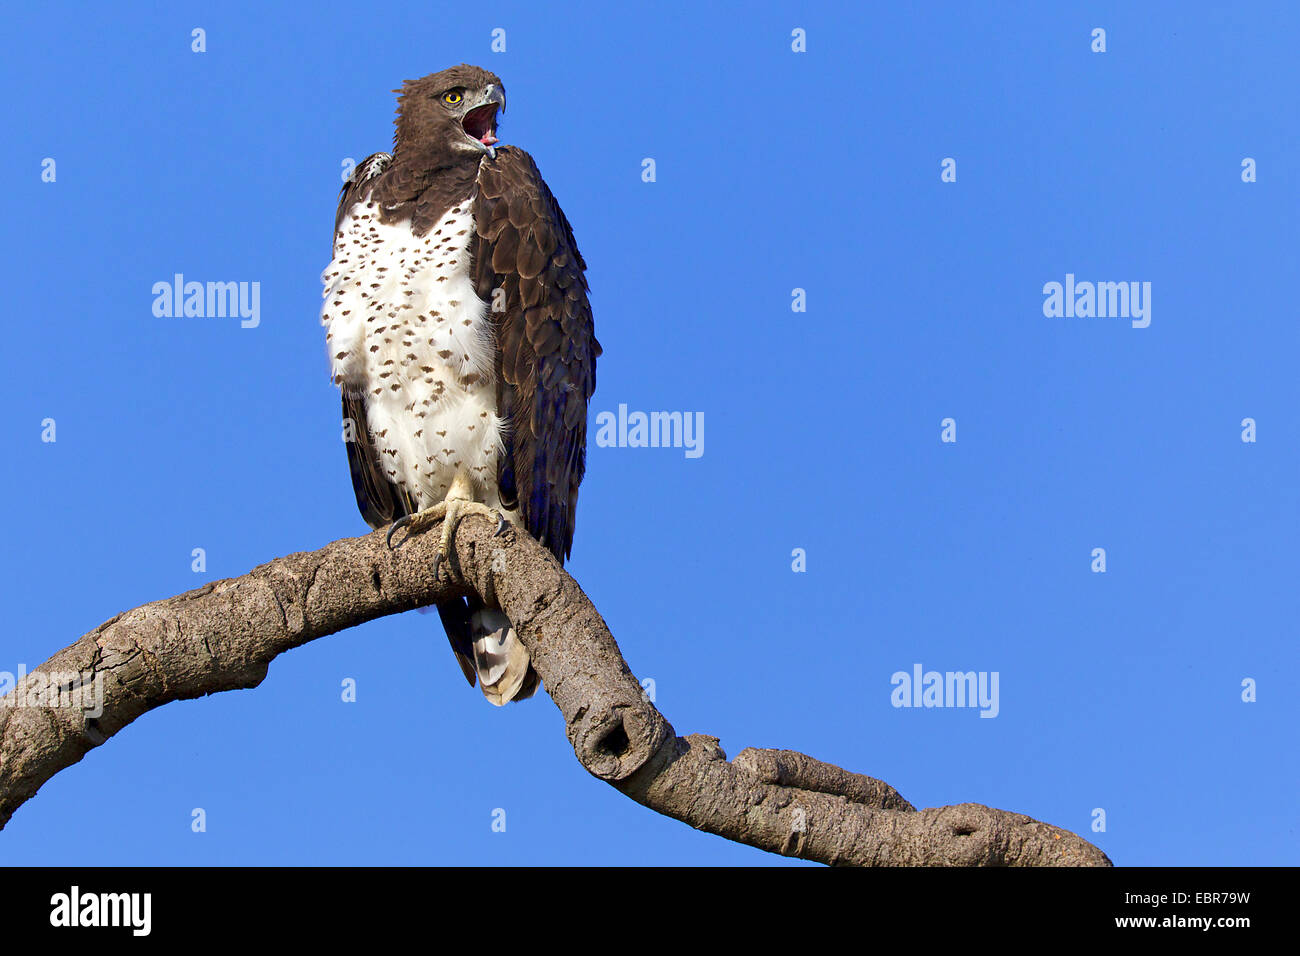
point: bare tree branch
(224, 636)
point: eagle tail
(505, 672)
(486, 647)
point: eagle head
(452, 112)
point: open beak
(480, 123)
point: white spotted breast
(406, 328)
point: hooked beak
(480, 123)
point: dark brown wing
(380, 501)
(546, 345)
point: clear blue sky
(775, 170)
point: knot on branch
(615, 739)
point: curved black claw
(401, 522)
(502, 524)
(437, 562)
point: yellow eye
(451, 99)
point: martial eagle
(460, 334)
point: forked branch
(224, 635)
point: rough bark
(224, 635)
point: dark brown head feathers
(435, 159)
(425, 120)
(414, 93)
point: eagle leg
(458, 503)
(416, 522)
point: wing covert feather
(546, 343)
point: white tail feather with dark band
(499, 658)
